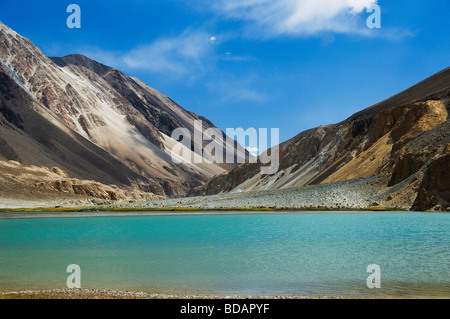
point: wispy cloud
(295, 17)
(228, 56)
(235, 89)
(177, 54)
(190, 52)
(192, 55)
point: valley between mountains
(74, 132)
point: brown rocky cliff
(398, 138)
(434, 190)
(28, 182)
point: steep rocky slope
(405, 138)
(93, 121)
(32, 135)
(29, 185)
(159, 110)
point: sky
(287, 64)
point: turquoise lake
(233, 254)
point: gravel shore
(357, 194)
(120, 294)
(361, 193)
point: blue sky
(287, 64)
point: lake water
(240, 254)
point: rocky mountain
(94, 122)
(22, 185)
(404, 140)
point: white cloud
(190, 56)
(189, 53)
(171, 54)
(295, 17)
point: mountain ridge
(121, 116)
(377, 141)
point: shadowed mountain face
(33, 135)
(159, 110)
(405, 139)
(93, 121)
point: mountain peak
(84, 61)
(109, 113)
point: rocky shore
(367, 193)
(120, 294)
(358, 194)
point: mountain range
(93, 122)
(73, 126)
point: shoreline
(38, 214)
(124, 294)
(363, 194)
(117, 208)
